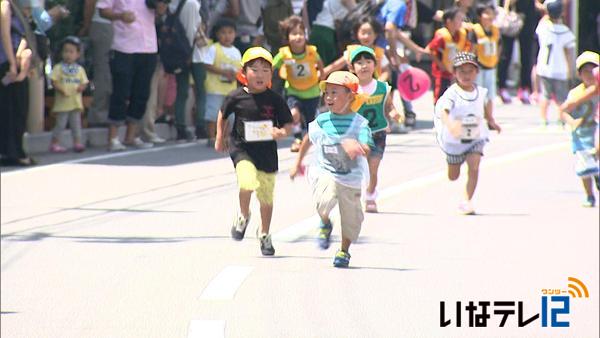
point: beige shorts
(327, 193)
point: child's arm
(304, 146)
(454, 126)
(228, 73)
(487, 113)
(570, 63)
(58, 87)
(321, 70)
(220, 144)
(332, 67)
(84, 81)
(279, 133)
(390, 110)
(572, 103)
(565, 114)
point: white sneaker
(116, 145)
(156, 139)
(466, 208)
(138, 143)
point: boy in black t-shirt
(261, 117)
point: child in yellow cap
(343, 141)
(580, 112)
(261, 117)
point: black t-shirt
(255, 107)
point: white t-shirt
(332, 10)
(191, 20)
(554, 38)
(460, 103)
(209, 53)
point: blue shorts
(379, 140)
(213, 105)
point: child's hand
(278, 133)
(394, 115)
(297, 170)
(229, 74)
(353, 148)
(494, 126)
(455, 128)
(81, 88)
(220, 145)
(127, 17)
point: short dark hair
(365, 55)
(71, 40)
(450, 14)
(221, 23)
(363, 20)
(482, 8)
(253, 62)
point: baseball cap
(254, 53)
(342, 78)
(360, 49)
(464, 57)
(587, 57)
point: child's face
(364, 68)
(338, 98)
(226, 36)
(586, 73)
(70, 54)
(259, 75)
(466, 74)
(297, 38)
(455, 24)
(366, 34)
(487, 17)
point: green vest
(373, 108)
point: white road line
(206, 329)
(226, 283)
(304, 227)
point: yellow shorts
(250, 178)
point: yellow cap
(254, 53)
(587, 57)
(342, 78)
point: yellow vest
(215, 83)
(451, 48)
(302, 73)
(379, 53)
(487, 46)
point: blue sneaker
(324, 235)
(341, 260)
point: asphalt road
(137, 244)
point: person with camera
(132, 63)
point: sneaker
(78, 148)
(296, 145)
(57, 148)
(505, 96)
(324, 235)
(155, 139)
(238, 230)
(266, 246)
(466, 208)
(523, 95)
(410, 119)
(116, 145)
(589, 202)
(371, 206)
(139, 144)
(342, 259)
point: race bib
(470, 128)
(301, 70)
(338, 160)
(256, 131)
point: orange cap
(342, 78)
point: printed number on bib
(301, 70)
(337, 159)
(256, 131)
(489, 48)
(470, 128)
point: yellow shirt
(70, 77)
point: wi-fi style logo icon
(577, 289)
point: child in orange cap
(261, 116)
(343, 141)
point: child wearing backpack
(580, 111)
(222, 61)
(446, 43)
(377, 109)
(301, 67)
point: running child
(301, 67)
(487, 49)
(69, 80)
(462, 121)
(365, 31)
(580, 111)
(446, 43)
(554, 61)
(343, 140)
(377, 109)
(260, 118)
(221, 60)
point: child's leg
(453, 171)
(75, 125)
(473, 160)
(244, 197)
(587, 186)
(297, 117)
(374, 162)
(546, 89)
(264, 194)
(59, 125)
(351, 214)
(211, 130)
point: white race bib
(470, 128)
(256, 131)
